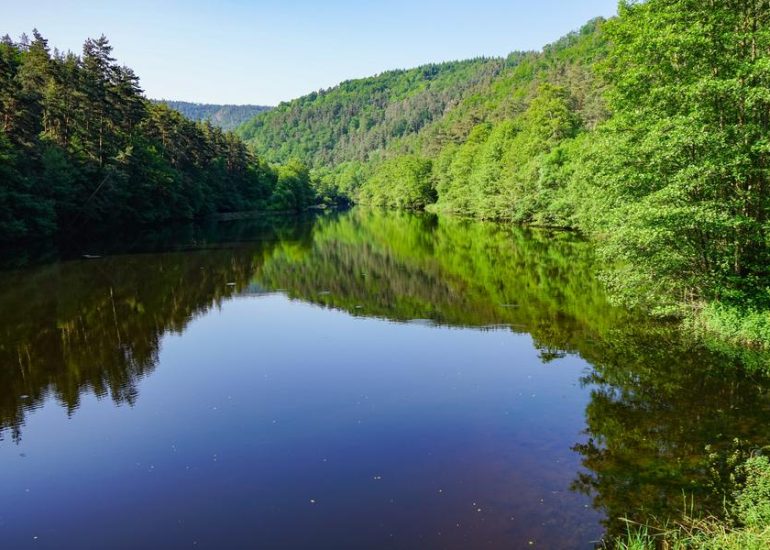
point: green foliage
(749, 506)
(502, 171)
(80, 145)
(293, 189)
(745, 325)
(358, 118)
(22, 212)
(683, 164)
(403, 182)
(704, 535)
(752, 500)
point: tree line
(80, 145)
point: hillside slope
(487, 156)
(354, 134)
(226, 117)
(358, 118)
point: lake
(353, 380)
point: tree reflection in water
(665, 412)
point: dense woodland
(226, 117)
(358, 118)
(80, 145)
(647, 132)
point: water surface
(362, 380)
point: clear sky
(267, 51)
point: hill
(356, 119)
(226, 117)
(353, 133)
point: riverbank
(742, 326)
(746, 527)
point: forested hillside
(358, 118)
(226, 117)
(382, 130)
(80, 145)
(647, 132)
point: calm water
(364, 380)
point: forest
(81, 147)
(648, 133)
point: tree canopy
(80, 144)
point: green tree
(403, 182)
(80, 145)
(293, 191)
(684, 160)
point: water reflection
(95, 325)
(665, 420)
(664, 413)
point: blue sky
(267, 51)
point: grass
(737, 325)
(746, 525)
(707, 534)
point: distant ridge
(225, 117)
